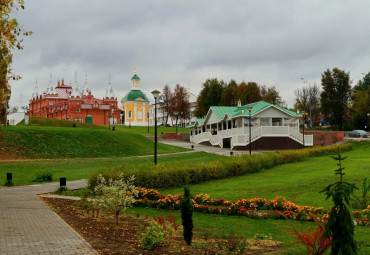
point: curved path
(29, 226)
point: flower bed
(258, 208)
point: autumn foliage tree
(10, 33)
(180, 105)
(166, 98)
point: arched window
(129, 114)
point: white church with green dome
(135, 105)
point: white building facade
(272, 127)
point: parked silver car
(358, 133)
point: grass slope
(37, 121)
(61, 142)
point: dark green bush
(44, 176)
(174, 175)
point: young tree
(187, 216)
(116, 195)
(335, 95)
(9, 40)
(210, 95)
(339, 225)
(166, 104)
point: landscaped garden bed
(107, 238)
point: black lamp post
(250, 130)
(147, 117)
(155, 94)
(304, 116)
(176, 114)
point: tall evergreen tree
(335, 95)
(187, 216)
(340, 224)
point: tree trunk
(117, 217)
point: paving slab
(29, 226)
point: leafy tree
(9, 40)
(187, 216)
(335, 96)
(116, 195)
(227, 97)
(363, 84)
(179, 103)
(339, 225)
(166, 102)
(360, 108)
(210, 95)
(308, 100)
(272, 96)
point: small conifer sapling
(339, 225)
(187, 216)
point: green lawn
(217, 225)
(61, 142)
(299, 182)
(74, 169)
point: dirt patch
(107, 238)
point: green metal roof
(259, 106)
(220, 111)
(135, 77)
(135, 94)
(233, 111)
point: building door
(89, 120)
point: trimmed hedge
(173, 175)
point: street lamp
(304, 114)
(147, 117)
(155, 94)
(250, 130)
(176, 114)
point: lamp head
(155, 94)
(250, 108)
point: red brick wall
(329, 137)
(183, 137)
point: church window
(129, 114)
(78, 110)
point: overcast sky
(274, 43)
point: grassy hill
(37, 121)
(33, 142)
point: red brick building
(74, 104)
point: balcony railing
(240, 136)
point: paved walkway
(206, 148)
(28, 226)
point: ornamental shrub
(43, 176)
(154, 235)
(166, 175)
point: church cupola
(135, 82)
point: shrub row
(170, 175)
